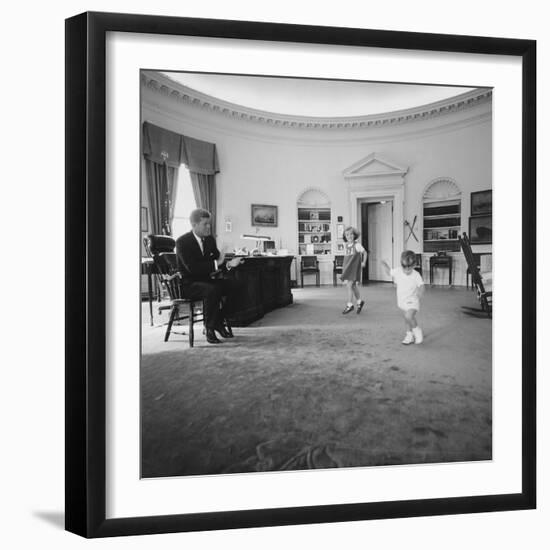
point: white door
(380, 239)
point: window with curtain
(184, 204)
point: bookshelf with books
(314, 231)
(442, 223)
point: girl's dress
(351, 268)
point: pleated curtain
(164, 152)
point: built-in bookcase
(442, 222)
(314, 231)
(442, 216)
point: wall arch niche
(314, 223)
(441, 214)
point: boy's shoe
(409, 338)
(360, 306)
(418, 336)
(348, 309)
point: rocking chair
(485, 297)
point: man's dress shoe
(211, 337)
(224, 333)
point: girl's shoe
(418, 336)
(360, 306)
(409, 338)
(348, 309)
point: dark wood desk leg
(431, 274)
(150, 295)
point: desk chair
(309, 265)
(337, 265)
(161, 249)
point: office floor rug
(319, 394)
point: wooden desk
(265, 286)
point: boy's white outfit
(406, 288)
(407, 298)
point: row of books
(433, 235)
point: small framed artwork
(481, 203)
(340, 247)
(144, 220)
(264, 215)
(481, 229)
(340, 231)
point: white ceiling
(317, 98)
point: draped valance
(161, 145)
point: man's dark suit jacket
(192, 263)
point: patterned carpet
(326, 391)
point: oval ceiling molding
(180, 93)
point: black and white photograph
(268, 345)
(277, 400)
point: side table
(441, 261)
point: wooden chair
(161, 249)
(337, 266)
(485, 297)
(418, 263)
(309, 265)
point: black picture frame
(480, 229)
(481, 203)
(264, 215)
(86, 239)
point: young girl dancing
(410, 288)
(354, 262)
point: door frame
(394, 193)
(362, 222)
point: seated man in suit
(199, 260)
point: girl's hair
(408, 258)
(355, 233)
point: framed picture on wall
(481, 203)
(481, 229)
(264, 215)
(113, 391)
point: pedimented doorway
(376, 193)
